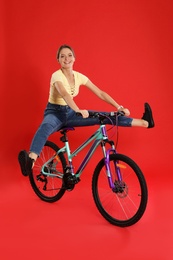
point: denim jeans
(57, 116)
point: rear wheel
(125, 203)
(49, 188)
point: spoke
(48, 184)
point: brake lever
(120, 113)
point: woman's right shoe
(25, 163)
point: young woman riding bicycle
(61, 108)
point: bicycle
(119, 188)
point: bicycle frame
(100, 138)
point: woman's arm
(107, 98)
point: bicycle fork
(107, 164)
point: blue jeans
(57, 116)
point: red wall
(124, 47)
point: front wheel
(49, 187)
(125, 203)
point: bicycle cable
(113, 126)
(116, 132)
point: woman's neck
(67, 72)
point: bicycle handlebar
(94, 114)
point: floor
(73, 228)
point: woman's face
(66, 58)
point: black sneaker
(25, 163)
(147, 116)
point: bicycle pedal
(70, 181)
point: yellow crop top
(54, 96)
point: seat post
(64, 131)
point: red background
(124, 47)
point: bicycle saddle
(66, 129)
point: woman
(61, 108)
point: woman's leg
(140, 123)
(42, 134)
(146, 120)
(49, 125)
(54, 117)
(39, 139)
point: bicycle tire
(48, 189)
(120, 207)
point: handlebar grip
(91, 114)
(78, 114)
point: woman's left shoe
(147, 116)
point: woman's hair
(63, 47)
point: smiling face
(66, 58)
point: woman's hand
(125, 110)
(83, 112)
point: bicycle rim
(126, 203)
(48, 188)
